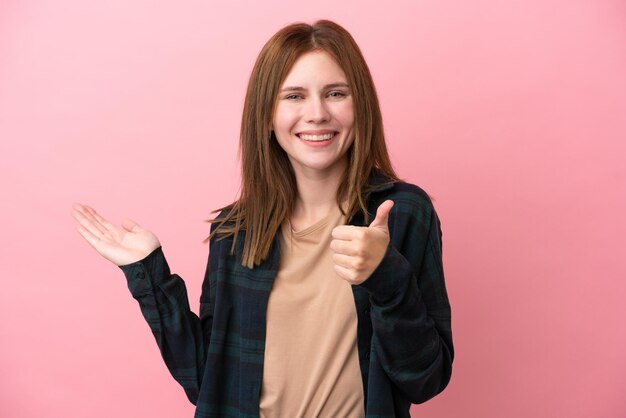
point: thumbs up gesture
(357, 251)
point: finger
(130, 225)
(127, 224)
(87, 213)
(89, 237)
(87, 222)
(344, 273)
(343, 247)
(106, 224)
(347, 232)
(382, 215)
(346, 261)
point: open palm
(121, 246)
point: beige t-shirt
(311, 366)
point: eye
(293, 97)
(336, 94)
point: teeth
(324, 137)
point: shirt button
(141, 275)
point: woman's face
(314, 116)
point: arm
(182, 336)
(410, 310)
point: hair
(268, 185)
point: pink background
(512, 115)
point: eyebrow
(327, 86)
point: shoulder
(408, 198)
(220, 219)
(413, 220)
(222, 233)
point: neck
(317, 195)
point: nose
(316, 111)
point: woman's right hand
(119, 245)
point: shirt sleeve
(410, 311)
(181, 335)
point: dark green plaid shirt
(403, 332)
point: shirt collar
(379, 182)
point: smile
(316, 138)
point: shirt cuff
(145, 272)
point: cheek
(346, 115)
(284, 119)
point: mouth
(325, 137)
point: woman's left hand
(358, 250)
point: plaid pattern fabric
(404, 331)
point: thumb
(130, 226)
(382, 215)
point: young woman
(324, 293)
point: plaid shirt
(404, 333)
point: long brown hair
(268, 185)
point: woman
(324, 294)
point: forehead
(313, 67)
